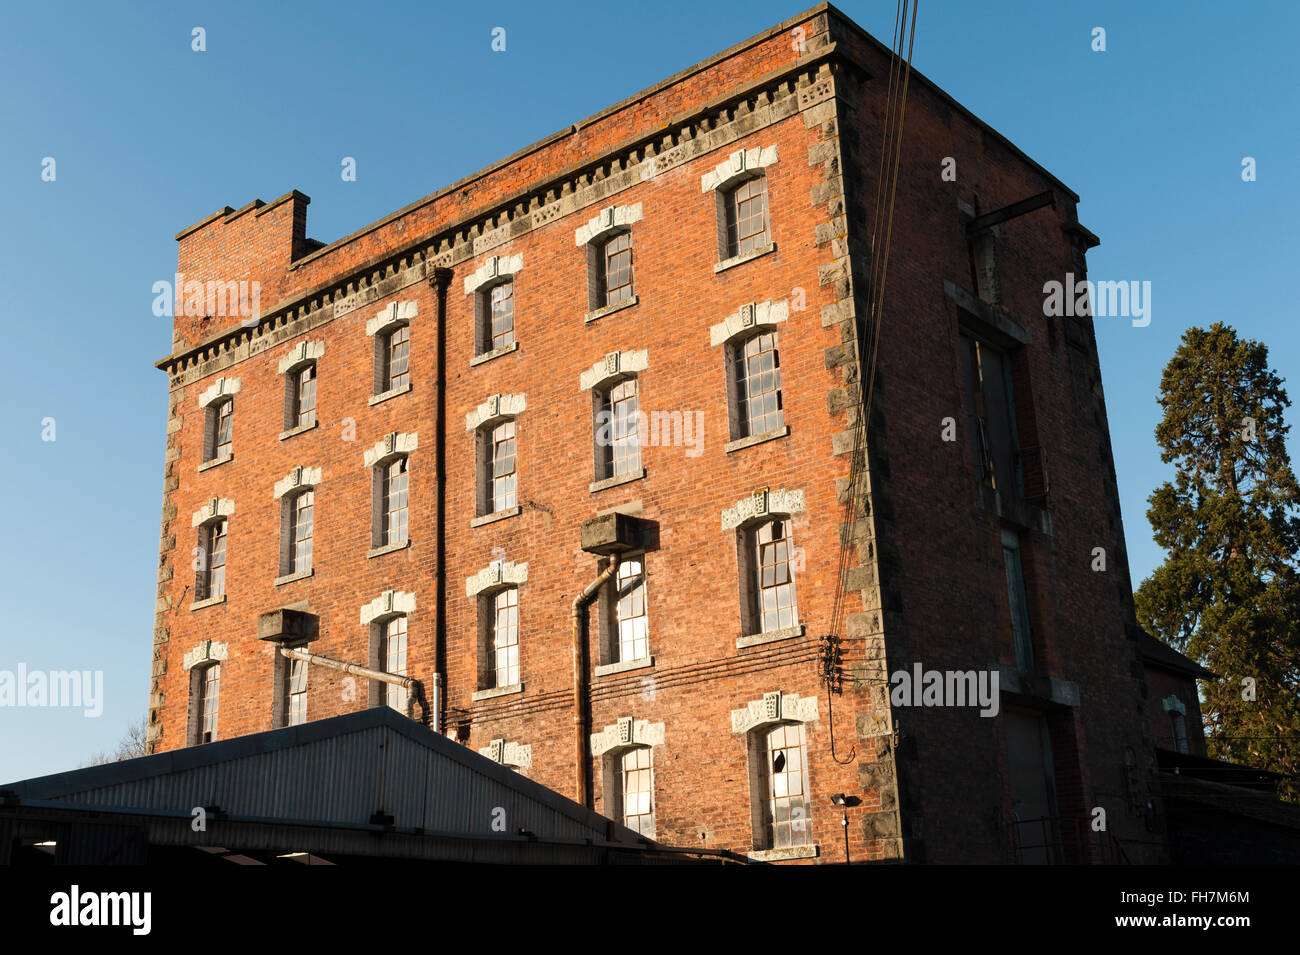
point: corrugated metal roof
(334, 772)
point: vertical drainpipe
(580, 698)
(441, 279)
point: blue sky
(149, 136)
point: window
(392, 479)
(633, 636)
(769, 550)
(392, 359)
(209, 696)
(225, 426)
(992, 415)
(300, 532)
(296, 691)
(210, 584)
(757, 382)
(495, 314)
(505, 637)
(1179, 726)
(618, 439)
(219, 422)
(1017, 599)
(634, 790)
(498, 484)
(393, 655)
(783, 789)
(301, 412)
(616, 269)
(1031, 776)
(745, 215)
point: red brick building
(405, 446)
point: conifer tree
(1228, 593)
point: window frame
(488, 481)
(485, 336)
(616, 776)
(293, 396)
(739, 398)
(611, 642)
(751, 584)
(1018, 602)
(383, 377)
(728, 213)
(215, 413)
(295, 691)
(381, 529)
(766, 832)
(990, 401)
(207, 709)
(291, 563)
(203, 579)
(489, 610)
(598, 290)
(605, 420)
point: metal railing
(1054, 840)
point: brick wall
(925, 575)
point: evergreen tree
(1228, 593)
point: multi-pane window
(773, 550)
(758, 386)
(393, 523)
(616, 258)
(618, 440)
(225, 420)
(505, 636)
(633, 638)
(300, 532)
(394, 657)
(397, 355)
(991, 412)
(501, 309)
(636, 776)
(784, 768)
(304, 397)
(212, 574)
(502, 467)
(746, 211)
(296, 691)
(1018, 600)
(209, 696)
(1179, 726)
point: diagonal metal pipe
(413, 686)
(581, 700)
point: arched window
(781, 752)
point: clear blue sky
(149, 137)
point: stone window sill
(497, 691)
(735, 260)
(611, 309)
(753, 439)
(391, 393)
(781, 855)
(209, 602)
(300, 429)
(216, 461)
(607, 483)
(494, 353)
(387, 548)
(608, 669)
(498, 516)
(772, 636)
(296, 575)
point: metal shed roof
(371, 782)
